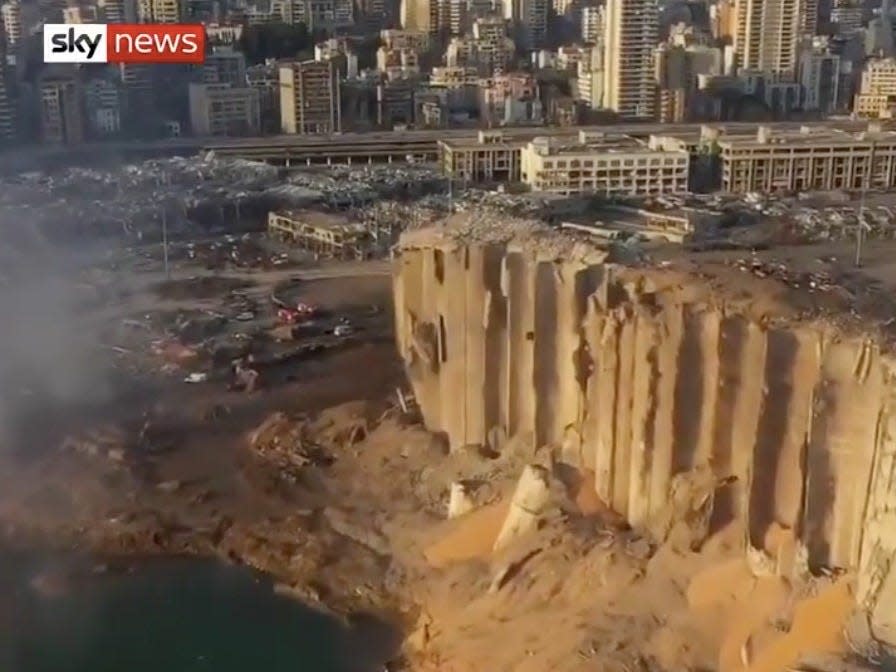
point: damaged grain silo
(516, 337)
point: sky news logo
(124, 43)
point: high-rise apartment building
(768, 33)
(309, 98)
(7, 115)
(61, 115)
(819, 76)
(264, 78)
(529, 19)
(420, 15)
(102, 103)
(631, 32)
(11, 15)
(159, 11)
(590, 79)
(592, 24)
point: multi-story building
(398, 63)
(418, 40)
(819, 77)
(7, 115)
(723, 20)
(768, 33)
(808, 160)
(564, 111)
(394, 104)
(264, 79)
(117, 11)
(631, 32)
(374, 15)
(529, 20)
(490, 29)
(329, 15)
(340, 53)
(592, 24)
(102, 103)
(224, 66)
(454, 77)
(590, 79)
(223, 34)
(61, 114)
(136, 82)
(486, 55)
(81, 14)
(677, 71)
(569, 56)
(222, 109)
(11, 15)
(879, 34)
(309, 98)
(453, 16)
(510, 99)
(420, 15)
(847, 17)
(877, 92)
(489, 157)
(611, 165)
(672, 106)
(160, 11)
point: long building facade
(610, 165)
(803, 161)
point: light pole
(163, 181)
(860, 232)
(165, 241)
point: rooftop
(590, 143)
(807, 136)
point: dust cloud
(51, 360)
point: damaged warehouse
(322, 234)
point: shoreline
(341, 607)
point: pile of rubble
(811, 282)
(106, 443)
(284, 444)
(196, 194)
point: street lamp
(860, 224)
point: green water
(169, 616)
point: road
(91, 151)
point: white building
(611, 165)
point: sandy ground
(344, 500)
